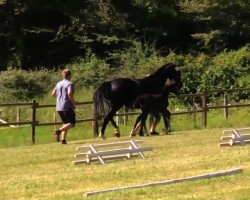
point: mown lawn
(45, 171)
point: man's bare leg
(64, 129)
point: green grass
(45, 171)
(11, 137)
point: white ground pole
(167, 182)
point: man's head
(66, 74)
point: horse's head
(172, 72)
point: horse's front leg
(117, 131)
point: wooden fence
(203, 96)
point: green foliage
(21, 85)
(219, 24)
(137, 61)
(90, 71)
(65, 30)
(228, 70)
(208, 41)
(192, 68)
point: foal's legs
(140, 123)
(144, 116)
(155, 119)
(166, 117)
(137, 125)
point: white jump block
(110, 151)
(239, 136)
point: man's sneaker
(64, 142)
(57, 133)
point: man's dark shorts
(68, 116)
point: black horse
(154, 104)
(112, 95)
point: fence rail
(204, 110)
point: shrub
(137, 61)
(228, 70)
(192, 68)
(90, 71)
(20, 85)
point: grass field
(45, 171)
(12, 137)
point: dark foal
(154, 104)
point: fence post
(204, 108)
(95, 122)
(33, 120)
(194, 114)
(225, 104)
(125, 119)
(18, 115)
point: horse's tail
(101, 98)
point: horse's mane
(158, 73)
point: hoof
(117, 135)
(141, 135)
(154, 133)
(102, 136)
(132, 134)
(168, 132)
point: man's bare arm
(54, 92)
(71, 95)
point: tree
(219, 24)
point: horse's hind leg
(107, 118)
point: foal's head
(170, 71)
(171, 87)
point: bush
(137, 61)
(90, 71)
(228, 70)
(192, 68)
(20, 85)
